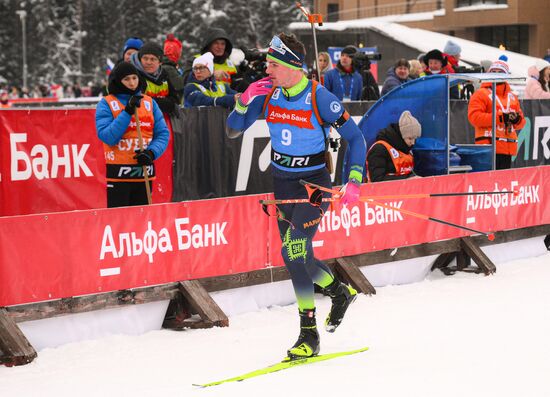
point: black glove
(514, 117)
(133, 103)
(144, 157)
(505, 118)
(467, 91)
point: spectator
(509, 117)
(172, 54)
(115, 122)
(344, 81)
(4, 99)
(371, 91)
(324, 63)
(438, 64)
(452, 53)
(415, 68)
(390, 157)
(219, 44)
(147, 62)
(203, 89)
(397, 75)
(132, 45)
(537, 85)
(420, 59)
(435, 63)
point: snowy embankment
(463, 335)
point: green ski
(284, 365)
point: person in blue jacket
(344, 81)
(116, 126)
(202, 88)
(299, 113)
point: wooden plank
(348, 271)
(82, 304)
(474, 251)
(199, 299)
(15, 349)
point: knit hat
(172, 48)
(132, 43)
(541, 64)
(409, 126)
(349, 50)
(485, 64)
(451, 48)
(435, 54)
(206, 59)
(150, 48)
(121, 70)
(499, 66)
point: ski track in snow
(462, 335)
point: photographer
(509, 117)
(361, 62)
(344, 81)
(250, 70)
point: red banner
(53, 161)
(92, 251)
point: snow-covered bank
(455, 336)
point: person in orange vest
(116, 127)
(509, 117)
(390, 157)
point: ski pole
(313, 19)
(295, 201)
(310, 187)
(408, 196)
(144, 167)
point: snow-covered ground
(463, 335)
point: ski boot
(307, 344)
(342, 296)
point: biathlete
(298, 113)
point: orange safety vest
(403, 162)
(480, 116)
(121, 165)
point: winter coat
(175, 76)
(533, 89)
(159, 87)
(392, 81)
(111, 130)
(379, 162)
(334, 79)
(220, 62)
(212, 93)
(480, 116)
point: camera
(362, 60)
(250, 70)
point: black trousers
(123, 194)
(503, 162)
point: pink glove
(260, 87)
(351, 193)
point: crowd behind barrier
(206, 164)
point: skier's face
(131, 81)
(281, 75)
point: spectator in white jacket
(538, 83)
